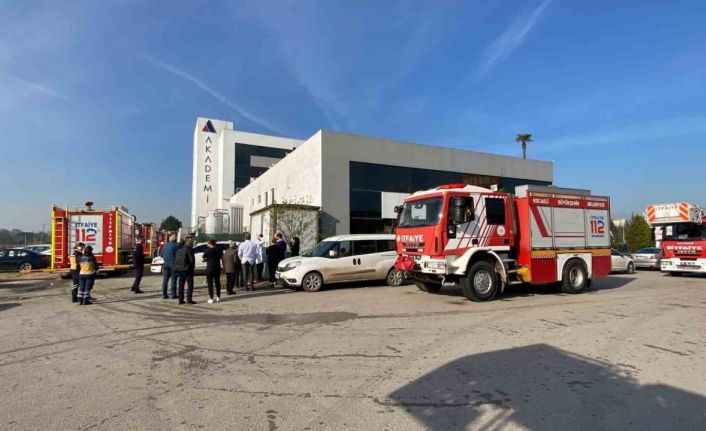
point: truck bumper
(682, 265)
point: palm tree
(524, 139)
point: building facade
(225, 161)
(356, 181)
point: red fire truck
(680, 230)
(485, 240)
(111, 233)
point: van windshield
(424, 212)
(321, 249)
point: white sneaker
(218, 299)
(210, 301)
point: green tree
(638, 233)
(524, 139)
(170, 223)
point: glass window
(423, 212)
(364, 247)
(22, 254)
(495, 210)
(365, 204)
(267, 197)
(386, 245)
(273, 195)
(370, 176)
(259, 199)
(11, 253)
(344, 249)
(2, 253)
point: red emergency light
(451, 186)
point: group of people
(83, 268)
(243, 264)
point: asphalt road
(629, 354)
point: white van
(341, 259)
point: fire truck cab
(484, 239)
(680, 230)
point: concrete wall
(296, 178)
(338, 149)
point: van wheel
(428, 287)
(481, 283)
(312, 282)
(395, 278)
(574, 278)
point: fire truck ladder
(59, 240)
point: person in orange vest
(74, 270)
(87, 275)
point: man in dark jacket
(168, 274)
(184, 266)
(139, 262)
(230, 257)
(281, 247)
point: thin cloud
(213, 93)
(41, 88)
(668, 130)
(511, 39)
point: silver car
(621, 262)
(648, 257)
(341, 259)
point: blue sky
(98, 100)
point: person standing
(261, 254)
(229, 260)
(139, 260)
(238, 270)
(87, 276)
(213, 256)
(294, 246)
(272, 252)
(247, 252)
(168, 273)
(75, 270)
(184, 264)
(281, 247)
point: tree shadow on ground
(542, 387)
(8, 306)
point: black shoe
(138, 291)
(74, 300)
(190, 301)
(80, 302)
(182, 302)
(165, 297)
(87, 302)
(173, 297)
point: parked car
(40, 248)
(341, 259)
(19, 259)
(621, 262)
(200, 266)
(648, 257)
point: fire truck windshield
(684, 232)
(424, 212)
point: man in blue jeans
(168, 272)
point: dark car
(18, 259)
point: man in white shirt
(260, 261)
(248, 252)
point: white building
(225, 161)
(356, 181)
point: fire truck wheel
(427, 287)
(481, 283)
(312, 282)
(394, 277)
(575, 277)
